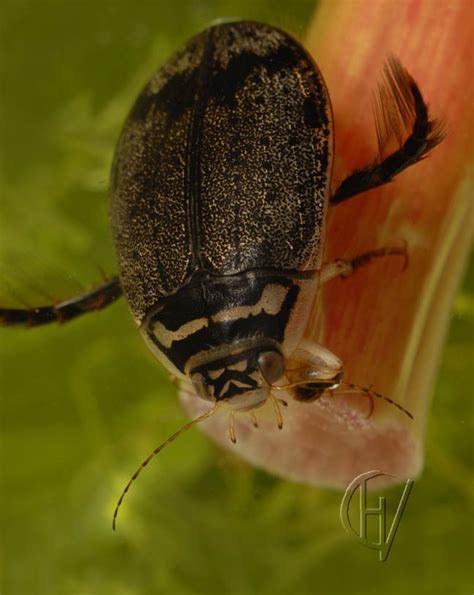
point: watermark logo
(384, 540)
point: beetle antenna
(372, 393)
(158, 449)
(368, 391)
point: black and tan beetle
(219, 195)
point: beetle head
(241, 379)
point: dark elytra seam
(192, 180)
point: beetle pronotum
(220, 189)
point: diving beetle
(219, 196)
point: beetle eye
(200, 386)
(272, 365)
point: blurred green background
(83, 404)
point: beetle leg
(311, 369)
(345, 268)
(401, 115)
(96, 299)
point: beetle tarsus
(401, 115)
(93, 300)
(346, 267)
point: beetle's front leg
(401, 115)
(312, 369)
(346, 267)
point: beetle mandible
(220, 189)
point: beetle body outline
(251, 289)
(238, 170)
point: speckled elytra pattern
(223, 165)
